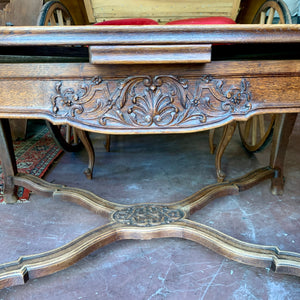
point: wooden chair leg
(228, 132)
(107, 142)
(8, 161)
(284, 125)
(212, 146)
(85, 139)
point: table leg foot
(10, 198)
(85, 139)
(284, 125)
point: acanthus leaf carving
(147, 215)
(146, 102)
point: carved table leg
(85, 139)
(228, 132)
(8, 161)
(284, 125)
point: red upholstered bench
(144, 21)
(203, 21)
(135, 21)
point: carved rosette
(151, 102)
(147, 215)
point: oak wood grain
(260, 84)
(149, 35)
(146, 98)
(156, 54)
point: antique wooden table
(148, 80)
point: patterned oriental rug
(34, 156)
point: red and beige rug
(34, 156)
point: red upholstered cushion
(136, 21)
(203, 21)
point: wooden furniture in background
(18, 14)
(161, 11)
(77, 10)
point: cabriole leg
(85, 139)
(228, 132)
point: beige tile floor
(155, 169)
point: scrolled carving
(163, 101)
(147, 215)
(71, 98)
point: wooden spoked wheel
(272, 12)
(65, 136)
(54, 13)
(257, 131)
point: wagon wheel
(271, 9)
(54, 13)
(256, 133)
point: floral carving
(149, 102)
(71, 98)
(147, 215)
